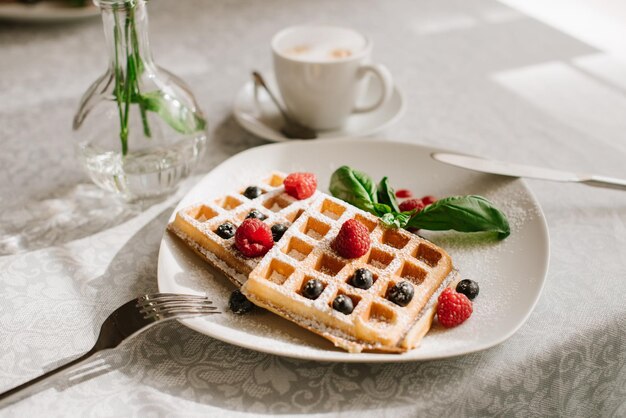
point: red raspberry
(403, 194)
(409, 205)
(427, 200)
(300, 185)
(353, 239)
(453, 308)
(253, 238)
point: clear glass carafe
(138, 128)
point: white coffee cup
(322, 72)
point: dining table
(477, 77)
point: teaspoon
(292, 129)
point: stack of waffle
(196, 225)
(275, 280)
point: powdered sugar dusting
(479, 258)
(296, 254)
(334, 271)
(314, 234)
(276, 277)
(377, 264)
(275, 207)
(330, 214)
(233, 208)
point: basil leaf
(367, 183)
(381, 209)
(463, 214)
(396, 219)
(354, 187)
(179, 117)
(387, 195)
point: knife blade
(520, 170)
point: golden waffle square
(196, 224)
(376, 323)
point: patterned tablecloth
(477, 76)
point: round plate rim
(345, 357)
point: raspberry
(253, 238)
(403, 194)
(427, 200)
(409, 205)
(453, 308)
(300, 185)
(353, 239)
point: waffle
(375, 324)
(196, 224)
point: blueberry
(226, 230)
(363, 279)
(278, 230)
(312, 289)
(252, 192)
(468, 287)
(343, 304)
(401, 294)
(256, 214)
(239, 304)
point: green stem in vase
(179, 117)
(118, 83)
(130, 75)
(127, 88)
(138, 69)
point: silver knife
(519, 170)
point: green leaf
(380, 209)
(354, 187)
(463, 214)
(178, 116)
(396, 219)
(387, 195)
(367, 183)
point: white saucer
(260, 117)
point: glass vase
(138, 129)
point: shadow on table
(175, 360)
(178, 361)
(83, 209)
(226, 140)
(69, 213)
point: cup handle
(386, 82)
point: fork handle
(29, 388)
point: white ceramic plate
(260, 117)
(46, 11)
(511, 273)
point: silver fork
(125, 322)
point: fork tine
(166, 306)
(170, 300)
(169, 296)
(181, 312)
(174, 304)
(182, 307)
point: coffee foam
(320, 43)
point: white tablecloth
(477, 76)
